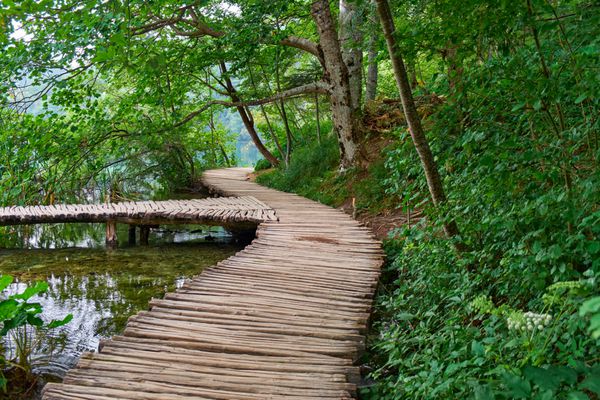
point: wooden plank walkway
(282, 319)
(197, 211)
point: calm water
(101, 287)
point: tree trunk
(211, 125)
(111, 235)
(345, 121)
(266, 117)
(412, 72)
(248, 120)
(350, 38)
(272, 132)
(225, 156)
(434, 181)
(317, 117)
(288, 132)
(372, 72)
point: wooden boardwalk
(282, 319)
(197, 211)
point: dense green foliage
(519, 146)
(312, 172)
(310, 166)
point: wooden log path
(282, 319)
(196, 211)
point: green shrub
(262, 164)
(439, 334)
(312, 172)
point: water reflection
(100, 287)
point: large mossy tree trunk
(434, 181)
(345, 117)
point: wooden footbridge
(282, 319)
(239, 214)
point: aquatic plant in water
(22, 332)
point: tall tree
(430, 169)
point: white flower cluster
(529, 321)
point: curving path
(282, 319)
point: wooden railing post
(111, 234)
(132, 235)
(144, 234)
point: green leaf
(595, 326)
(477, 348)
(580, 98)
(547, 395)
(56, 323)
(517, 386)
(5, 281)
(404, 316)
(590, 306)
(577, 395)
(118, 38)
(591, 383)
(31, 291)
(484, 392)
(564, 374)
(518, 106)
(17, 321)
(8, 308)
(541, 377)
(34, 321)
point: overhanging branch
(311, 88)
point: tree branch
(302, 44)
(311, 88)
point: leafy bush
(515, 316)
(262, 164)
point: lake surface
(101, 287)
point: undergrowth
(510, 318)
(313, 173)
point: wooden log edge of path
(282, 319)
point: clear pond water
(101, 287)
